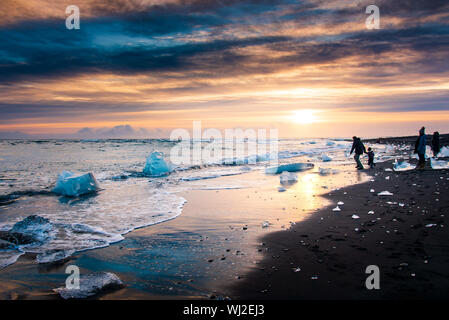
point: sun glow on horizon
(304, 116)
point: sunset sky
(310, 68)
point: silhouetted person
(359, 148)
(420, 148)
(436, 143)
(371, 158)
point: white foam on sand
(8, 257)
(98, 221)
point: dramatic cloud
(162, 63)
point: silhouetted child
(371, 158)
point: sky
(142, 68)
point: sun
(304, 116)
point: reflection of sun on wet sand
(325, 257)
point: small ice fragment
(402, 166)
(297, 269)
(340, 203)
(282, 189)
(336, 209)
(439, 164)
(292, 167)
(387, 178)
(385, 193)
(388, 169)
(326, 158)
(354, 216)
(444, 152)
(324, 171)
(156, 165)
(401, 204)
(430, 225)
(371, 212)
(372, 191)
(265, 224)
(288, 177)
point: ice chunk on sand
(90, 285)
(402, 166)
(327, 171)
(156, 166)
(439, 164)
(444, 152)
(385, 193)
(336, 209)
(325, 158)
(31, 229)
(324, 171)
(265, 224)
(72, 186)
(354, 216)
(340, 203)
(293, 167)
(288, 177)
(282, 189)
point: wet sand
(407, 239)
(212, 244)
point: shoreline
(330, 256)
(195, 256)
(213, 249)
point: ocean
(128, 199)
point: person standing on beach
(371, 158)
(420, 148)
(359, 148)
(436, 143)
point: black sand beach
(330, 251)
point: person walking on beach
(371, 158)
(436, 143)
(359, 148)
(420, 148)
